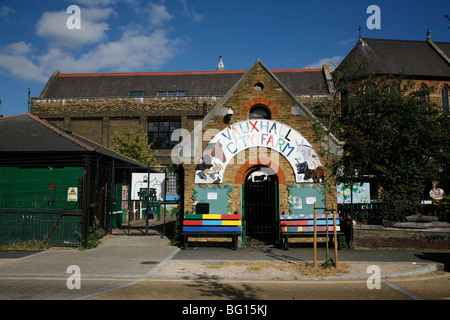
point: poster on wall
(361, 193)
(140, 181)
(72, 194)
(297, 203)
(124, 197)
(275, 135)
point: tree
(389, 133)
(134, 144)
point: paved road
(124, 267)
(425, 287)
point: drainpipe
(85, 226)
(205, 108)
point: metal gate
(261, 206)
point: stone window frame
(164, 137)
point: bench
(302, 225)
(212, 225)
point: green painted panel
(217, 196)
(302, 196)
(30, 187)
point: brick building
(97, 105)
(253, 154)
(247, 138)
(425, 63)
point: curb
(428, 268)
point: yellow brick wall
(280, 104)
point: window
(170, 93)
(445, 108)
(135, 93)
(172, 183)
(422, 96)
(160, 133)
(259, 87)
(259, 112)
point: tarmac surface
(128, 267)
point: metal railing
(372, 213)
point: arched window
(259, 112)
(422, 96)
(445, 108)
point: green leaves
(134, 144)
(391, 132)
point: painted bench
(302, 225)
(213, 225)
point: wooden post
(335, 235)
(315, 234)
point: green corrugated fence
(32, 225)
(39, 188)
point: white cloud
(190, 12)
(346, 41)
(157, 14)
(13, 59)
(332, 62)
(137, 47)
(53, 25)
(17, 48)
(130, 53)
(5, 11)
(101, 3)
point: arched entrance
(261, 206)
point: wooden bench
(302, 225)
(212, 225)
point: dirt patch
(270, 269)
(285, 268)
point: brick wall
(99, 119)
(242, 99)
(376, 236)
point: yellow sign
(437, 194)
(72, 194)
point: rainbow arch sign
(232, 140)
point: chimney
(220, 67)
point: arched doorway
(261, 206)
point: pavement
(128, 266)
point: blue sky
(190, 35)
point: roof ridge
(13, 116)
(58, 131)
(400, 40)
(178, 73)
(438, 50)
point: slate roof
(415, 58)
(201, 83)
(27, 133)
